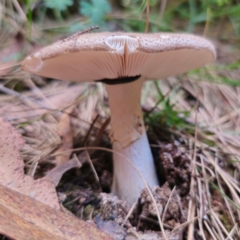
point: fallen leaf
(24, 218)
(56, 173)
(12, 169)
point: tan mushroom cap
(106, 55)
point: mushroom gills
(120, 80)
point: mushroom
(123, 61)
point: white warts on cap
(34, 63)
(122, 44)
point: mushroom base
(127, 181)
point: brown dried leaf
(56, 173)
(23, 218)
(12, 172)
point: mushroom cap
(109, 56)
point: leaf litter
(198, 163)
(191, 206)
(83, 193)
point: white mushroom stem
(129, 138)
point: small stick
(80, 33)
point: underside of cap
(111, 56)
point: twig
(80, 33)
(147, 16)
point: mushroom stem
(129, 138)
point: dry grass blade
(169, 200)
(217, 152)
(129, 214)
(22, 97)
(147, 15)
(66, 135)
(192, 203)
(92, 167)
(221, 225)
(191, 214)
